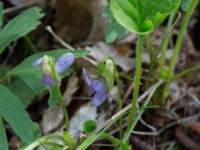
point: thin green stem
(119, 102)
(186, 72)
(136, 86)
(165, 41)
(188, 14)
(43, 139)
(152, 59)
(62, 102)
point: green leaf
(13, 111)
(185, 4)
(115, 30)
(1, 14)
(137, 15)
(53, 100)
(4, 70)
(158, 19)
(19, 26)
(3, 138)
(89, 126)
(20, 89)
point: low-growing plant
(45, 71)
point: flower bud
(46, 66)
(109, 65)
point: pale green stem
(119, 102)
(188, 14)
(62, 102)
(186, 72)
(152, 61)
(136, 86)
(166, 41)
(42, 140)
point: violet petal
(49, 80)
(100, 95)
(98, 99)
(91, 91)
(98, 86)
(85, 77)
(37, 63)
(64, 62)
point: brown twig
(20, 7)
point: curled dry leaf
(51, 120)
(72, 87)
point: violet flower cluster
(62, 63)
(97, 88)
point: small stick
(66, 45)
(20, 7)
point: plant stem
(149, 47)
(185, 72)
(165, 41)
(136, 86)
(119, 101)
(188, 14)
(43, 139)
(62, 102)
(152, 59)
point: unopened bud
(109, 65)
(46, 66)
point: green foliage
(54, 98)
(106, 73)
(13, 111)
(115, 30)
(185, 4)
(3, 139)
(1, 14)
(20, 89)
(138, 16)
(89, 126)
(19, 26)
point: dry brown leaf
(72, 87)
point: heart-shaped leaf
(115, 30)
(137, 15)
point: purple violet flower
(62, 63)
(96, 88)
